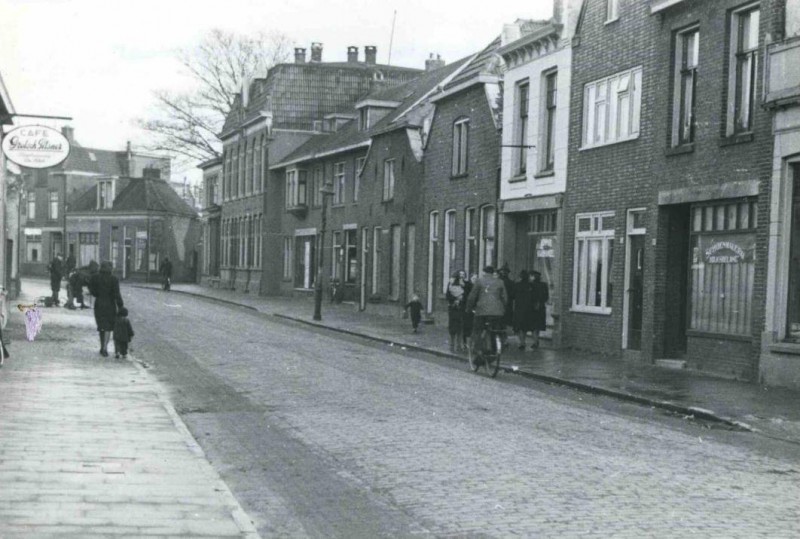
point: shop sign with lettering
(728, 249)
(35, 146)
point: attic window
(105, 195)
(92, 156)
(363, 119)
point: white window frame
(336, 254)
(521, 126)
(288, 258)
(487, 239)
(376, 252)
(547, 125)
(470, 240)
(606, 102)
(596, 231)
(686, 64)
(52, 205)
(360, 162)
(31, 205)
(388, 179)
(105, 194)
(612, 10)
(460, 146)
(449, 244)
(339, 184)
(732, 127)
(433, 243)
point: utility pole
(327, 190)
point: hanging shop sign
(36, 146)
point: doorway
(411, 247)
(634, 281)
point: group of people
(110, 313)
(494, 296)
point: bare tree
(186, 124)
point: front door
(411, 246)
(634, 281)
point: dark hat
(488, 269)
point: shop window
(594, 257)
(351, 256)
(89, 243)
(338, 255)
(33, 247)
(723, 267)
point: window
(89, 243)
(31, 206)
(488, 228)
(248, 166)
(743, 69)
(433, 248)
(242, 169)
(105, 194)
(53, 206)
(350, 256)
(225, 174)
(376, 259)
(316, 194)
(460, 141)
(611, 109)
(251, 242)
(363, 119)
(470, 243)
(612, 10)
(295, 188)
(305, 261)
(594, 256)
(235, 173)
(114, 247)
(360, 162)
(338, 183)
(521, 129)
(449, 247)
(33, 243)
(338, 255)
(394, 251)
(687, 49)
(257, 171)
(723, 267)
(549, 121)
(288, 243)
(388, 179)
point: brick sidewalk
(92, 447)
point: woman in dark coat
(107, 299)
(541, 294)
(466, 323)
(523, 308)
(455, 311)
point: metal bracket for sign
(517, 146)
(4, 116)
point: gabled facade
(536, 119)
(462, 164)
(270, 119)
(374, 167)
(135, 223)
(49, 193)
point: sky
(99, 61)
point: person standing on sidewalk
(107, 300)
(56, 269)
(123, 334)
(166, 273)
(540, 294)
(455, 311)
(414, 308)
(523, 307)
(466, 327)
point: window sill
(680, 150)
(719, 336)
(609, 143)
(591, 310)
(738, 138)
(610, 21)
(545, 174)
(521, 177)
(387, 200)
(789, 348)
(336, 206)
(458, 176)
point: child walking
(414, 307)
(123, 333)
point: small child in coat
(123, 333)
(414, 307)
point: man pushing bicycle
(488, 300)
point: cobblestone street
(323, 435)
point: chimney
(316, 52)
(352, 54)
(558, 11)
(299, 55)
(511, 32)
(370, 54)
(68, 132)
(434, 63)
(151, 173)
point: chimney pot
(352, 54)
(316, 52)
(299, 55)
(434, 63)
(371, 54)
(558, 11)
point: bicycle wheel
(474, 356)
(493, 360)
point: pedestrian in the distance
(508, 318)
(455, 311)
(56, 269)
(540, 294)
(414, 308)
(166, 273)
(107, 300)
(468, 315)
(123, 334)
(75, 284)
(523, 308)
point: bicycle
(487, 351)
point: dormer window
(363, 119)
(105, 194)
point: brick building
(536, 105)
(210, 218)
(373, 164)
(670, 157)
(780, 342)
(271, 118)
(462, 161)
(49, 193)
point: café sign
(35, 146)
(732, 249)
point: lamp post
(326, 190)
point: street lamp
(325, 190)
